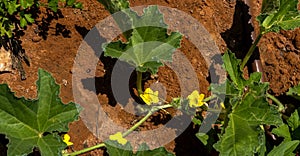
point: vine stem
(84, 150)
(279, 104)
(250, 51)
(139, 82)
(153, 109)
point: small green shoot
(275, 15)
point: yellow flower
(222, 105)
(149, 96)
(195, 99)
(118, 137)
(67, 140)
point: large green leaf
(145, 151)
(285, 148)
(243, 134)
(35, 123)
(246, 99)
(149, 45)
(279, 14)
(116, 149)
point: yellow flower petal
(154, 97)
(146, 98)
(67, 140)
(200, 100)
(222, 105)
(118, 137)
(149, 96)
(196, 99)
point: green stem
(228, 110)
(209, 98)
(154, 109)
(85, 150)
(279, 104)
(139, 82)
(137, 124)
(250, 51)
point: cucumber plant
(148, 44)
(246, 105)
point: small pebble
(65, 82)
(36, 39)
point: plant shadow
(238, 37)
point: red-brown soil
(57, 47)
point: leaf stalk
(139, 82)
(153, 110)
(250, 51)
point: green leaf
(70, 2)
(283, 131)
(145, 151)
(294, 92)
(114, 148)
(232, 66)
(78, 5)
(29, 18)
(23, 21)
(114, 6)
(279, 14)
(285, 148)
(269, 6)
(53, 5)
(12, 7)
(26, 3)
(35, 123)
(149, 46)
(294, 121)
(196, 121)
(202, 137)
(243, 129)
(6, 27)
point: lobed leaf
(35, 123)
(249, 111)
(150, 44)
(114, 148)
(243, 129)
(285, 148)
